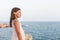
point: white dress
(14, 34)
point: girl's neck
(16, 19)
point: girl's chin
(19, 17)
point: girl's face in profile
(18, 14)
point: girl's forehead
(19, 11)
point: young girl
(18, 32)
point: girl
(18, 32)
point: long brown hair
(12, 17)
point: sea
(38, 30)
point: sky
(32, 10)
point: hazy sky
(32, 10)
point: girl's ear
(14, 13)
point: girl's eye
(19, 12)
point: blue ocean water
(38, 30)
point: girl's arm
(17, 29)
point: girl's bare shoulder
(15, 20)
